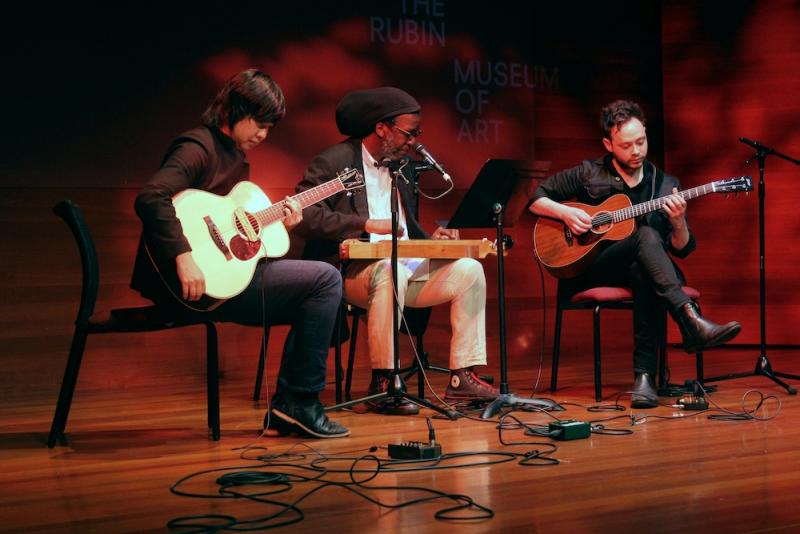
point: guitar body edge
(227, 275)
(566, 256)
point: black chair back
(120, 320)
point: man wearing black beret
(381, 125)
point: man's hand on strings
(675, 208)
(292, 212)
(578, 221)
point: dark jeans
(640, 262)
(303, 294)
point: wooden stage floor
(677, 472)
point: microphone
(422, 151)
(755, 144)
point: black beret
(359, 111)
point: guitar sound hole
(243, 249)
(588, 238)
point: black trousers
(303, 294)
(642, 263)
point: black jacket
(344, 215)
(202, 158)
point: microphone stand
(763, 366)
(397, 388)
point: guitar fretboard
(308, 197)
(658, 203)
(622, 214)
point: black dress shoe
(388, 405)
(700, 333)
(643, 394)
(292, 414)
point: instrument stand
(763, 366)
(397, 387)
(498, 197)
(506, 398)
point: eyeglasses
(416, 132)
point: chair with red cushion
(614, 298)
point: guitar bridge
(568, 235)
(216, 237)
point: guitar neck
(657, 203)
(308, 197)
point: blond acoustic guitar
(566, 255)
(230, 234)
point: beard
(631, 164)
(635, 163)
(391, 152)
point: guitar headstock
(737, 184)
(351, 179)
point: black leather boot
(643, 394)
(292, 413)
(699, 333)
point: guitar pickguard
(243, 249)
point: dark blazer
(202, 158)
(344, 215)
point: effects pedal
(414, 450)
(692, 402)
(695, 400)
(417, 450)
(569, 429)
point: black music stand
(498, 197)
(763, 366)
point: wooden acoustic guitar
(566, 255)
(230, 234)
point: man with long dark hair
(642, 260)
(303, 294)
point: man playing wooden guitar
(304, 294)
(640, 261)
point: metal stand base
(512, 401)
(396, 391)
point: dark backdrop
(90, 106)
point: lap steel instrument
(353, 249)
